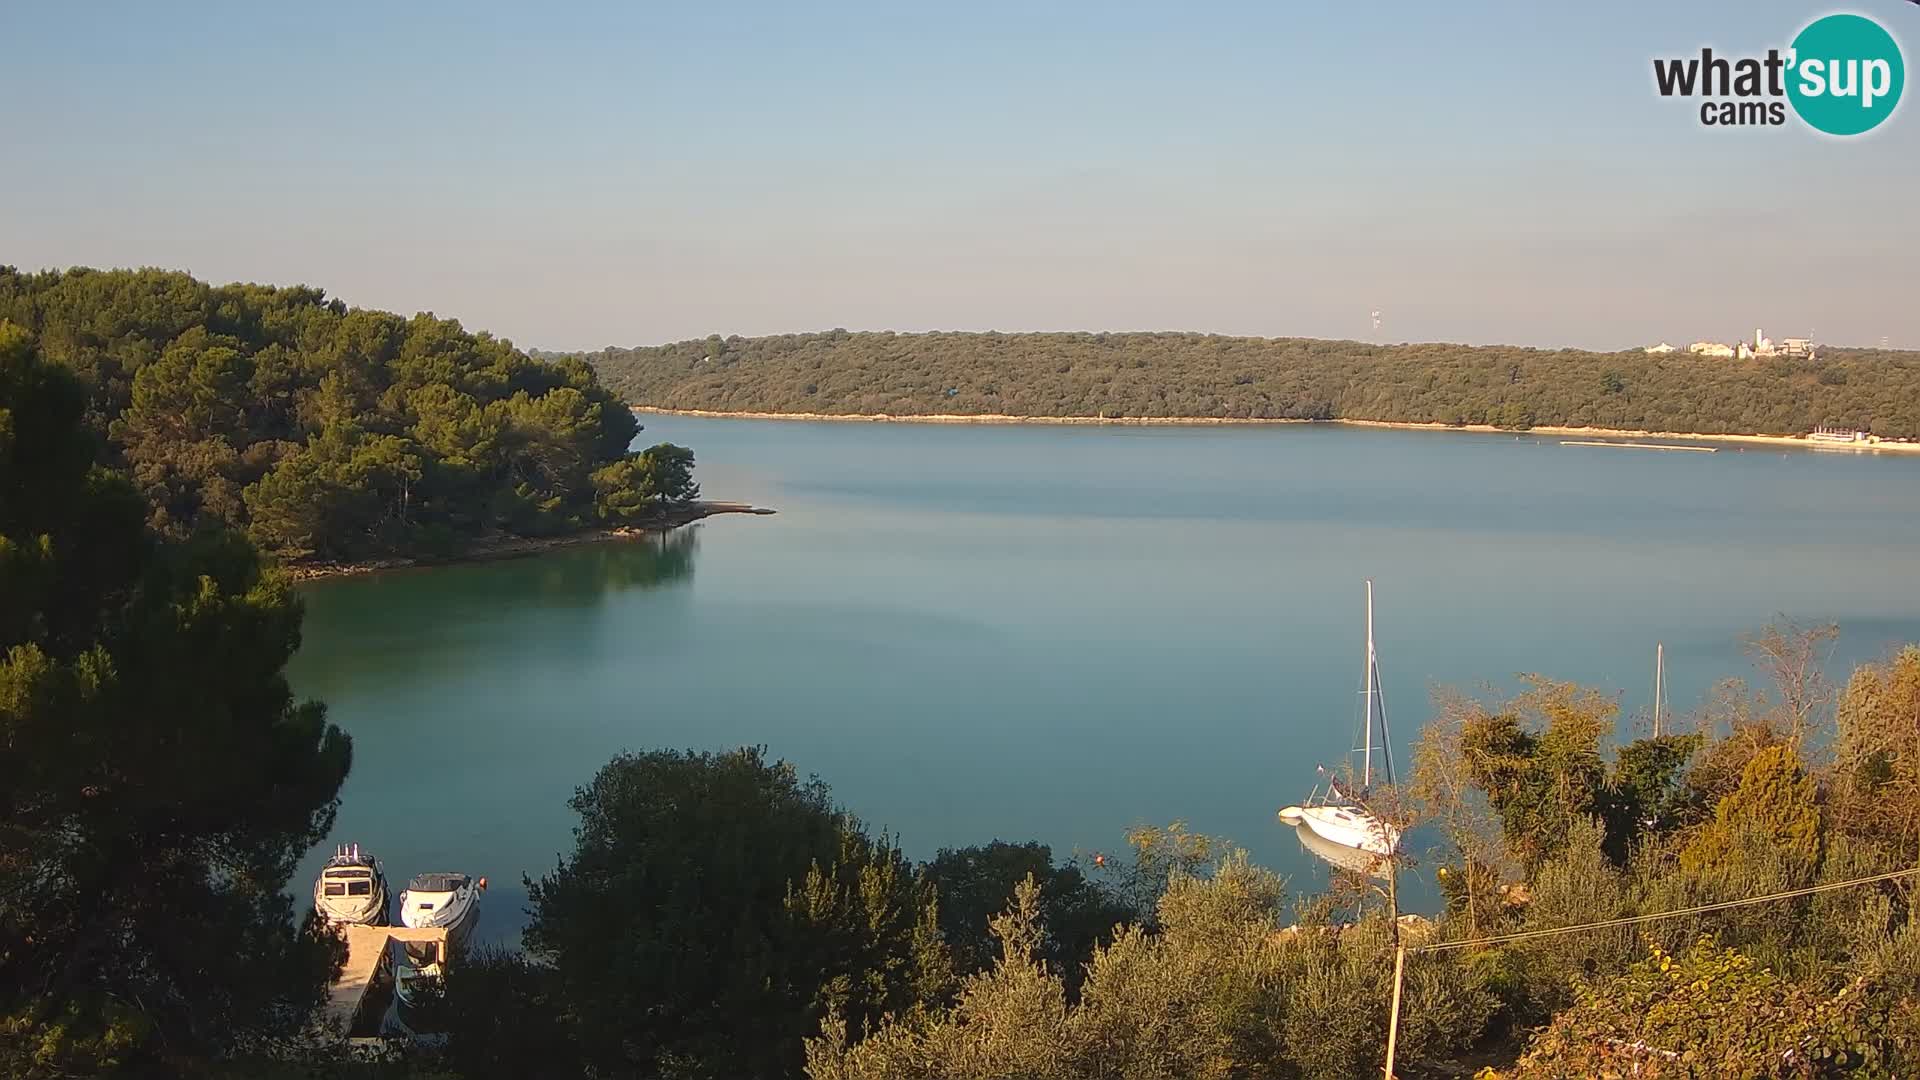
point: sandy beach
(1795, 441)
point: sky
(579, 175)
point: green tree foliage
(1538, 762)
(1727, 811)
(975, 882)
(1646, 788)
(158, 781)
(1707, 1012)
(1160, 853)
(1773, 809)
(635, 486)
(1445, 791)
(504, 1019)
(716, 907)
(1716, 770)
(336, 433)
(1009, 1021)
(1767, 836)
(1577, 885)
(1219, 990)
(1206, 375)
(1877, 782)
(345, 493)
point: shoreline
(1796, 441)
(496, 548)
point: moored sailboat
(1340, 817)
(1356, 860)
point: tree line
(331, 432)
(719, 915)
(1123, 375)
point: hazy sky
(625, 173)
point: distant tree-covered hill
(1201, 375)
(331, 431)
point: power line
(1632, 920)
(1400, 952)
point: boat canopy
(437, 882)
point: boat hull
(457, 913)
(1352, 828)
(351, 890)
(373, 912)
(1341, 857)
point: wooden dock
(357, 1001)
(1640, 445)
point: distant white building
(1825, 434)
(1761, 345)
(1655, 350)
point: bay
(1055, 632)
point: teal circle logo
(1847, 74)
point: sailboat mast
(1366, 766)
(1659, 683)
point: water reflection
(590, 574)
(425, 596)
(434, 618)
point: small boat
(1337, 816)
(419, 976)
(444, 900)
(351, 888)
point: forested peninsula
(1205, 376)
(335, 435)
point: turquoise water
(1054, 633)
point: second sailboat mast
(1366, 722)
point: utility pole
(1399, 955)
(1392, 893)
(1393, 1019)
(1393, 896)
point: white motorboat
(444, 900)
(351, 888)
(1336, 816)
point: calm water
(1053, 633)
